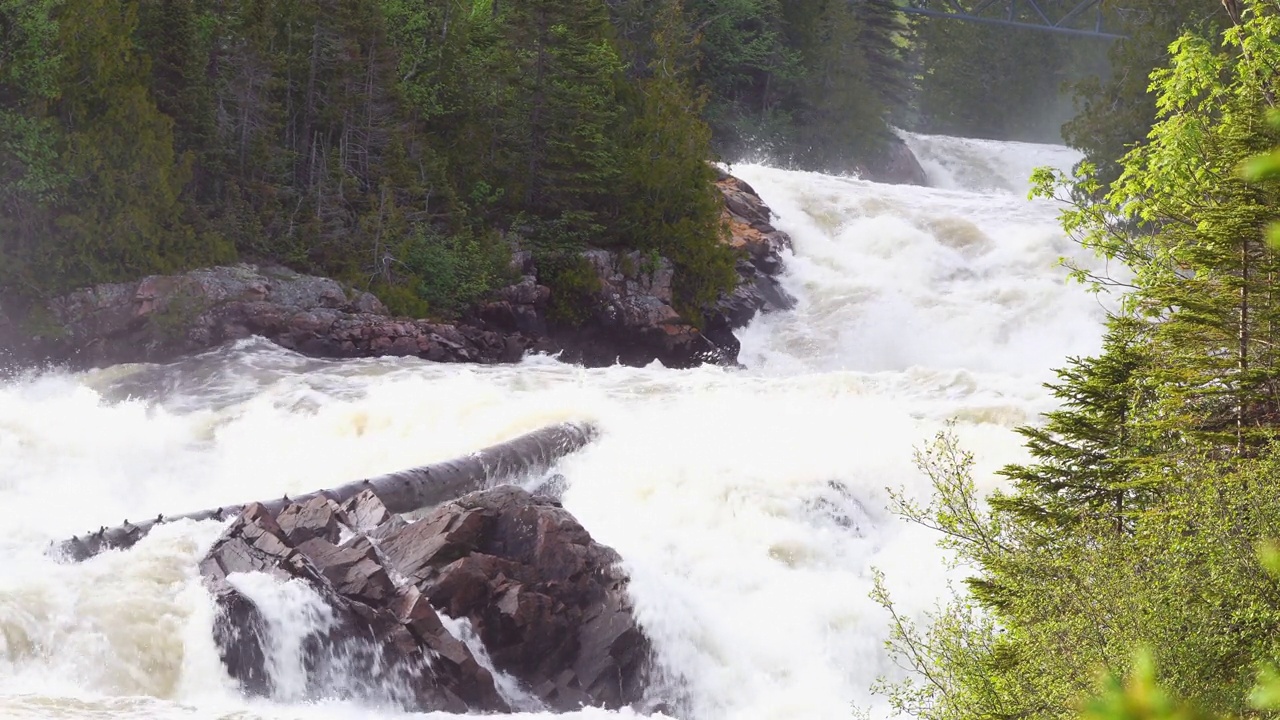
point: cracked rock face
(548, 603)
(634, 321)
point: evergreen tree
(669, 203)
(31, 176)
(1117, 108)
(1194, 232)
(565, 73)
(122, 216)
(1088, 454)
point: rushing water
(749, 505)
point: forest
(408, 146)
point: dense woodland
(408, 146)
(1140, 541)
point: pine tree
(561, 133)
(668, 201)
(1088, 454)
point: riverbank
(628, 318)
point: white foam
(747, 504)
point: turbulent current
(749, 504)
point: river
(748, 504)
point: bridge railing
(1076, 17)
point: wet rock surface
(548, 603)
(635, 323)
(895, 165)
(160, 318)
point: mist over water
(748, 505)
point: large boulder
(363, 638)
(761, 247)
(548, 603)
(162, 317)
(895, 164)
(632, 320)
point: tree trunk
(401, 492)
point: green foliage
(1137, 522)
(1049, 607)
(387, 144)
(1117, 109)
(1089, 452)
(1139, 697)
(574, 284)
(450, 273)
(672, 207)
(1180, 216)
(813, 83)
(1266, 167)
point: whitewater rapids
(749, 505)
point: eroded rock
(547, 601)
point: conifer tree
(123, 214)
(668, 201)
(1088, 454)
(1194, 232)
(564, 153)
(31, 176)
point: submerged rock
(548, 603)
(895, 165)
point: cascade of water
(748, 505)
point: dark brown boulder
(895, 164)
(378, 642)
(548, 602)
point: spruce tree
(123, 215)
(561, 134)
(31, 176)
(668, 201)
(1088, 453)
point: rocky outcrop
(162, 317)
(895, 165)
(547, 602)
(634, 321)
(761, 246)
(630, 320)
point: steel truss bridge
(1072, 17)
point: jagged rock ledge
(631, 320)
(547, 602)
